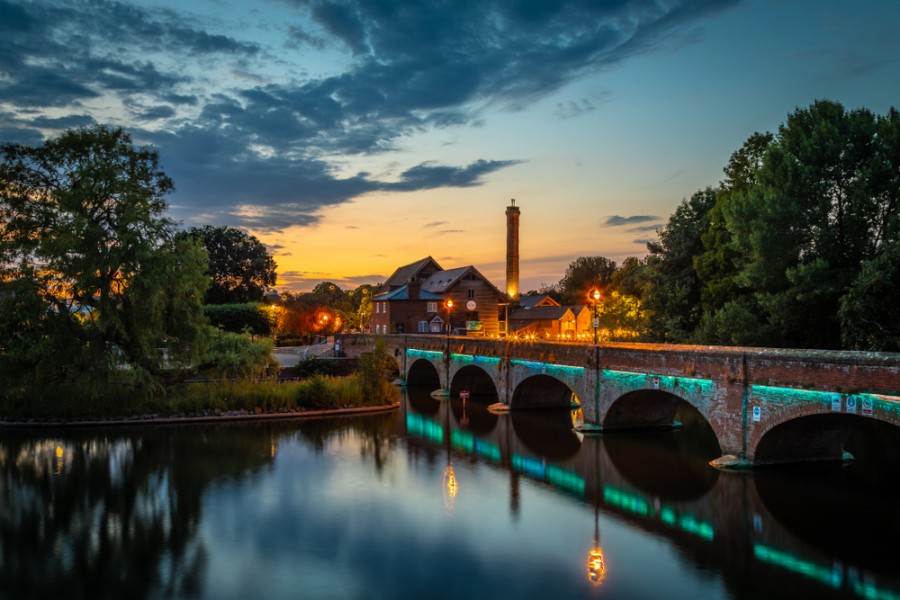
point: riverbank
(211, 416)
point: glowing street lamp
(594, 298)
(449, 305)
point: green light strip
(421, 427)
(870, 592)
(806, 568)
(552, 368)
(639, 506)
(633, 380)
(784, 395)
(474, 359)
(463, 440)
(429, 354)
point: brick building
(542, 317)
(416, 301)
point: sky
(355, 136)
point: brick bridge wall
(755, 399)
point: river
(440, 499)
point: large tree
(825, 202)
(672, 289)
(94, 288)
(239, 265)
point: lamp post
(449, 305)
(594, 298)
(446, 392)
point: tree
(621, 317)
(870, 310)
(672, 294)
(95, 291)
(583, 274)
(717, 266)
(630, 278)
(825, 201)
(239, 265)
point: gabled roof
(577, 309)
(442, 281)
(541, 313)
(402, 293)
(403, 274)
(537, 300)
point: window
(432, 307)
(378, 307)
(470, 294)
(423, 326)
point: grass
(319, 392)
(316, 393)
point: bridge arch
(476, 381)
(422, 372)
(820, 437)
(541, 391)
(643, 409)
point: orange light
(595, 566)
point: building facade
(422, 297)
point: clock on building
(470, 305)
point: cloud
(573, 109)
(250, 138)
(644, 228)
(616, 220)
(644, 241)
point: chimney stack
(512, 251)
(412, 287)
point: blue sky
(355, 136)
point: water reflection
(518, 503)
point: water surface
(440, 499)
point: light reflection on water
(441, 499)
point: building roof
(402, 293)
(443, 280)
(541, 313)
(403, 274)
(537, 300)
(440, 281)
(577, 309)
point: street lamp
(594, 298)
(449, 305)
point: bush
(241, 318)
(238, 356)
(314, 365)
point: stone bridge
(765, 406)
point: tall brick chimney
(512, 251)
